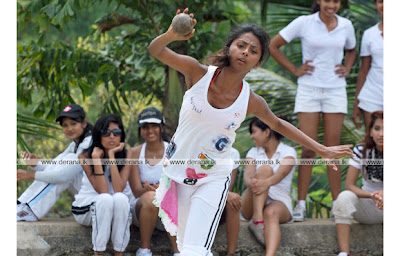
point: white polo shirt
(282, 151)
(323, 47)
(372, 45)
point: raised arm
(118, 179)
(95, 175)
(188, 66)
(259, 108)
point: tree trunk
(175, 87)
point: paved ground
(312, 237)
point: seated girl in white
(50, 180)
(364, 204)
(267, 200)
(103, 201)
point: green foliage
(94, 53)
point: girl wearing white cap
(145, 176)
(50, 180)
(193, 189)
(321, 82)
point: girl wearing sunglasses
(145, 177)
(51, 180)
(103, 201)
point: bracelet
(98, 174)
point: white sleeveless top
(204, 132)
(87, 194)
(151, 173)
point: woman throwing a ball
(213, 107)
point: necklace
(151, 153)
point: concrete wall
(312, 237)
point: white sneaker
(146, 252)
(299, 213)
(24, 213)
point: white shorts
(369, 106)
(312, 99)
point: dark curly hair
(221, 59)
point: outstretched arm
(259, 108)
(188, 66)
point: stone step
(313, 237)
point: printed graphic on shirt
(194, 108)
(170, 149)
(191, 174)
(207, 162)
(231, 125)
(190, 181)
(221, 142)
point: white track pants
(41, 196)
(199, 211)
(349, 206)
(108, 215)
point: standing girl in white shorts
(52, 179)
(192, 193)
(365, 204)
(145, 176)
(267, 201)
(369, 92)
(321, 82)
(103, 201)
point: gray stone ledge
(313, 237)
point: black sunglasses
(107, 133)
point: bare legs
(309, 122)
(343, 236)
(333, 123)
(273, 214)
(148, 217)
(232, 228)
(309, 125)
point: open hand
(342, 71)
(334, 152)
(117, 149)
(258, 186)
(305, 69)
(150, 187)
